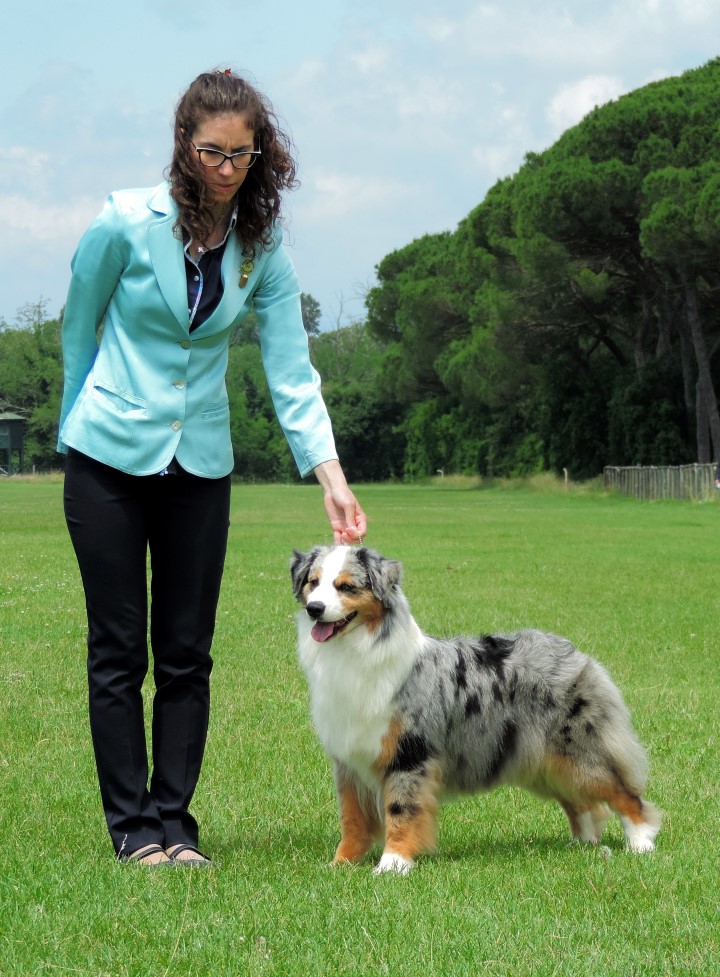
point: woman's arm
(96, 269)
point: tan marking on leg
(572, 816)
(561, 778)
(413, 829)
(587, 794)
(360, 825)
(622, 802)
(600, 814)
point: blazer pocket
(212, 411)
(120, 400)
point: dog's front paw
(390, 862)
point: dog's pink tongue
(322, 630)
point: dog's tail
(625, 754)
(596, 731)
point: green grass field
(634, 584)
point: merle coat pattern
(410, 719)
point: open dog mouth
(324, 630)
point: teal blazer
(151, 390)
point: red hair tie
(228, 71)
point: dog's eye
(346, 588)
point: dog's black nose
(315, 609)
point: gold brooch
(245, 270)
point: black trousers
(114, 519)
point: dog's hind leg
(640, 819)
(586, 808)
(586, 821)
(600, 814)
(359, 820)
(592, 792)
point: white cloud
(687, 11)
(423, 97)
(22, 164)
(573, 101)
(437, 29)
(497, 160)
(372, 59)
(24, 216)
(309, 71)
(334, 195)
(23, 156)
(696, 11)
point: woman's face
(230, 134)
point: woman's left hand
(347, 519)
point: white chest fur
(353, 680)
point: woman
(168, 272)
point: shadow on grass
(309, 844)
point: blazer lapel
(233, 296)
(166, 254)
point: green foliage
(573, 319)
(260, 450)
(311, 313)
(31, 380)
(364, 421)
(364, 418)
(415, 307)
(647, 420)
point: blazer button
(176, 425)
(178, 384)
(185, 343)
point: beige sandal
(139, 857)
(196, 858)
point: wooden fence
(696, 482)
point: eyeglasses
(213, 157)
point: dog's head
(341, 587)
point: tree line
(571, 321)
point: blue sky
(404, 112)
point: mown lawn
(634, 584)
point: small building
(12, 443)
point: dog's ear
(300, 569)
(384, 575)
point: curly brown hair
(258, 201)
